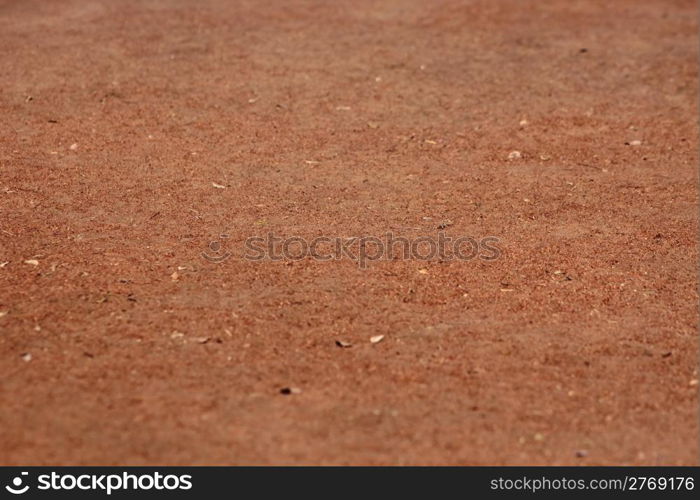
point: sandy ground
(577, 346)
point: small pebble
(515, 155)
(287, 391)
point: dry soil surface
(121, 344)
